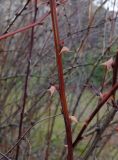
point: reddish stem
(26, 27)
(61, 79)
(111, 92)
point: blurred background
(89, 29)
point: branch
(16, 16)
(79, 137)
(7, 158)
(27, 131)
(26, 27)
(26, 83)
(61, 79)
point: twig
(7, 158)
(26, 27)
(16, 16)
(79, 137)
(26, 83)
(27, 131)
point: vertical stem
(26, 84)
(61, 79)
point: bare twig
(23, 29)
(26, 83)
(79, 137)
(16, 17)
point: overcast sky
(110, 4)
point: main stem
(61, 79)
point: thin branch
(16, 17)
(23, 29)
(27, 131)
(26, 83)
(79, 137)
(7, 158)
